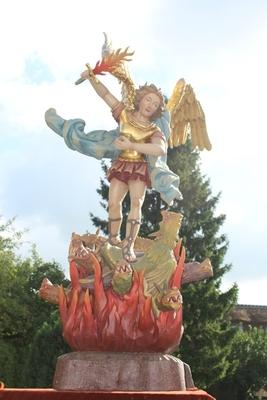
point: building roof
(250, 314)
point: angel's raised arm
(100, 89)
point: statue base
(110, 371)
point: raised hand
(85, 74)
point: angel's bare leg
(117, 192)
(137, 190)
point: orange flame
(104, 321)
(112, 61)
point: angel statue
(138, 146)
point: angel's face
(149, 104)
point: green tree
(249, 367)
(22, 313)
(7, 363)
(47, 345)
(208, 333)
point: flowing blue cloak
(100, 144)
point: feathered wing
(187, 118)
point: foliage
(7, 363)
(47, 345)
(22, 313)
(249, 366)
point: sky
(219, 47)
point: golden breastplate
(136, 133)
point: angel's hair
(143, 91)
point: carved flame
(105, 321)
(112, 61)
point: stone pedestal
(110, 371)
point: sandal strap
(129, 239)
(126, 253)
(110, 220)
(112, 235)
(134, 221)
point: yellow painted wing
(187, 118)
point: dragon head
(122, 278)
(169, 299)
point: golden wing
(187, 118)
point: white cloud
(24, 105)
(236, 112)
(251, 291)
(51, 244)
(64, 35)
(61, 40)
(235, 103)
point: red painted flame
(105, 321)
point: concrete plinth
(109, 371)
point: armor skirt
(129, 170)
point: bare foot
(114, 241)
(128, 253)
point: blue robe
(100, 144)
